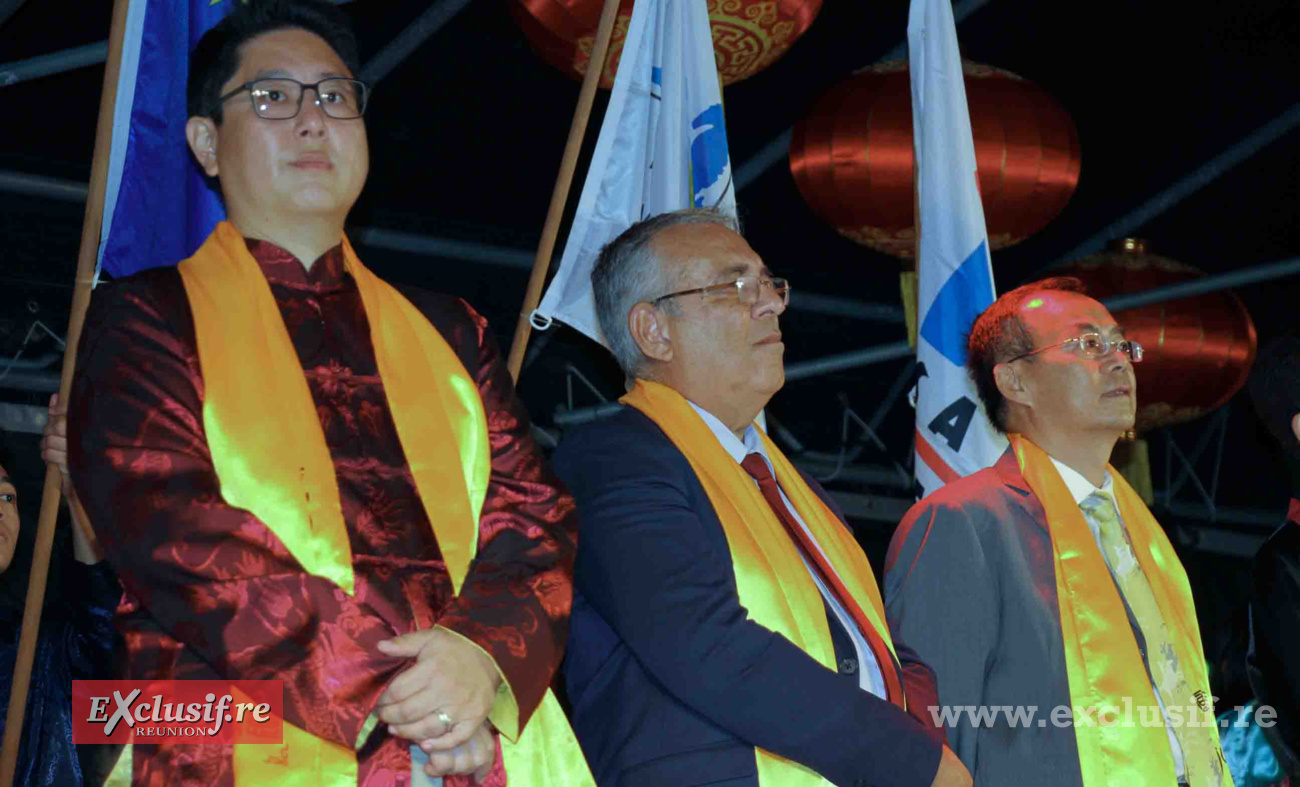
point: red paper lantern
(1199, 350)
(748, 35)
(852, 156)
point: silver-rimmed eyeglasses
(281, 98)
(747, 289)
(1092, 346)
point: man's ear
(1011, 385)
(201, 133)
(1295, 425)
(649, 330)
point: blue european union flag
(158, 207)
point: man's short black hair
(216, 58)
(999, 335)
(1275, 388)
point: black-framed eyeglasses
(1093, 346)
(747, 289)
(281, 98)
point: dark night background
(467, 134)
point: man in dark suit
(1043, 583)
(1273, 664)
(723, 629)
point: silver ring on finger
(445, 720)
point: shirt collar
(736, 448)
(1080, 487)
(280, 267)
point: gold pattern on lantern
(747, 38)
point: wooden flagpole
(90, 228)
(560, 195)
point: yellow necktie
(1200, 752)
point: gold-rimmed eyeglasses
(1092, 346)
(747, 289)
(281, 98)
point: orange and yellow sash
(271, 458)
(772, 580)
(1102, 660)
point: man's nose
(1116, 360)
(311, 115)
(770, 302)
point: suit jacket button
(848, 666)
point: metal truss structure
(869, 492)
(876, 494)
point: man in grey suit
(971, 576)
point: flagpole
(560, 195)
(53, 477)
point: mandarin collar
(281, 267)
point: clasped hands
(442, 701)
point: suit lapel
(1008, 471)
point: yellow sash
(772, 580)
(1102, 660)
(271, 458)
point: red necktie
(756, 466)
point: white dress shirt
(869, 675)
(1081, 489)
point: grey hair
(628, 272)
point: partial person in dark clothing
(76, 635)
(1273, 663)
(1246, 748)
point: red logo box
(178, 711)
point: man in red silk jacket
(210, 591)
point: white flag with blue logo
(955, 278)
(662, 147)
